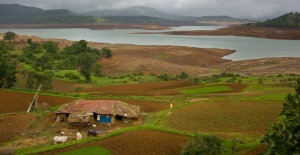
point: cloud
(236, 8)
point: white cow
(78, 134)
(61, 139)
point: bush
(183, 75)
(72, 76)
(285, 136)
(204, 145)
(164, 77)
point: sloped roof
(112, 107)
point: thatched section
(102, 107)
(126, 110)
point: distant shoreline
(247, 31)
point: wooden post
(35, 96)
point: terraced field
(246, 117)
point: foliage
(45, 62)
(8, 70)
(10, 36)
(6, 47)
(85, 63)
(285, 138)
(203, 145)
(83, 57)
(97, 70)
(107, 53)
(288, 20)
(51, 47)
(183, 75)
(164, 77)
(8, 67)
(35, 78)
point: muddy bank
(248, 31)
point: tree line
(39, 59)
(291, 20)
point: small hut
(82, 112)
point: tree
(45, 62)
(34, 79)
(285, 138)
(107, 53)
(9, 36)
(51, 47)
(86, 62)
(8, 71)
(8, 67)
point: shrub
(72, 76)
(183, 75)
(204, 145)
(164, 77)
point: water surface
(246, 47)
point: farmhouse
(83, 112)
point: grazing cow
(61, 139)
(78, 134)
(93, 133)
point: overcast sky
(250, 9)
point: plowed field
(136, 142)
(226, 116)
(152, 88)
(17, 102)
(14, 125)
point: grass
(89, 150)
(105, 80)
(208, 89)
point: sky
(245, 9)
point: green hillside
(291, 20)
(16, 10)
(15, 13)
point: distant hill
(141, 11)
(215, 19)
(15, 13)
(16, 10)
(291, 20)
(132, 11)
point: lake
(246, 47)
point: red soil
(144, 142)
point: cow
(61, 139)
(78, 134)
(93, 133)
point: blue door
(105, 118)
